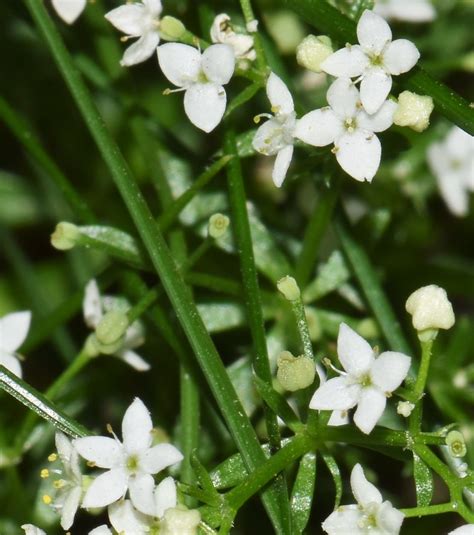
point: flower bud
(91, 347)
(180, 520)
(456, 444)
(312, 51)
(65, 236)
(404, 408)
(295, 373)
(413, 111)
(171, 29)
(218, 224)
(112, 327)
(430, 310)
(289, 288)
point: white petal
(141, 50)
(369, 409)
(134, 335)
(64, 447)
(468, 529)
(373, 32)
(180, 63)
(134, 360)
(347, 62)
(205, 104)
(400, 56)
(30, 529)
(218, 63)
(159, 457)
(359, 154)
(374, 89)
(319, 127)
(104, 452)
(335, 394)
(281, 165)
(13, 330)
(92, 305)
(70, 507)
(126, 519)
(69, 10)
(454, 193)
(278, 95)
(390, 519)
(389, 370)
(437, 160)
(101, 530)
(154, 7)
(269, 138)
(141, 489)
(379, 121)
(364, 491)
(165, 496)
(459, 144)
(409, 10)
(106, 489)
(343, 97)
(354, 353)
(129, 19)
(11, 363)
(136, 427)
(338, 418)
(344, 521)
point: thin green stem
(429, 510)
(419, 387)
(302, 325)
(190, 417)
(249, 17)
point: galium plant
(299, 332)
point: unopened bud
(180, 520)
(218, 225)
(289, 288)
(405, 408)
(65, 236)
(171, 29)
(295, 373)
(312, 51)
(413, 111)
(456, 444)
(112, 327)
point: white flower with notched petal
(375, 60)
(365, 383)
(95, 306)
(406, 10)
(13, 331)
(131, 464)
(371, 515)
(141, 20)
(350, 128)
(276, 136)
(202, 77)
(69, 10)
(452, 163)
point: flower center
(350, 124)
(365, 380)
(132, 464)
(202, 78)
(376, 60)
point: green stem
(249, 17)
(190, 417)
(429, 510)
(419, 387)
(302, 325)
(177, 291)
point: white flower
(101, 530)
(94, 308)
(126, 519)
(180, 520)
(202, 77)
(130, 463)
(276, 136)
(30, 529)
(223, 32)
(350, 128)
(452, 163)
(369, 516)
(375, 60)
(69, 10)
(138, 19)
(366, 381)
(430, 308)
(468, 529)
(13, 331)
(406, 10)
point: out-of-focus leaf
(241, 375)
(423, 482)
(18, 203)
(331, 275)
(303, 492)
(220, 317)
(336, 475)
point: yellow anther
(109, 429)
(59, 483)
(47, 499)
(167, 92)
(91, 464)
(53, 457)
(276, 109)
(256, 119)
(44, 473)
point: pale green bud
(65, 236)
(405, 408)
(413, 111)
(312, 51)
(180, 520)
(431, 310)
(91, 347)
(218, 225)
(171, 29)
(289, 288)
(456, 444)
(112, 327)
(295, 373)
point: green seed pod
(456, 444)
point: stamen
(47, 499)
(44, 474)
(91, 464)
(276, 109)
(257, 118)
(59, 483)
(53, 457)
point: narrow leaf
(203, 476)
(303, 491)
(336, 475)
(423, 482)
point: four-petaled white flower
(69, 10)
(95, 306)
(276, 136)
(202, 77)
(13, 331)
(365, 383)
(452, 163)
(350, 128)
(131, 464)
(138, 19)
(371, 515)
(406, 10)
(223, 32)
(374, 60)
